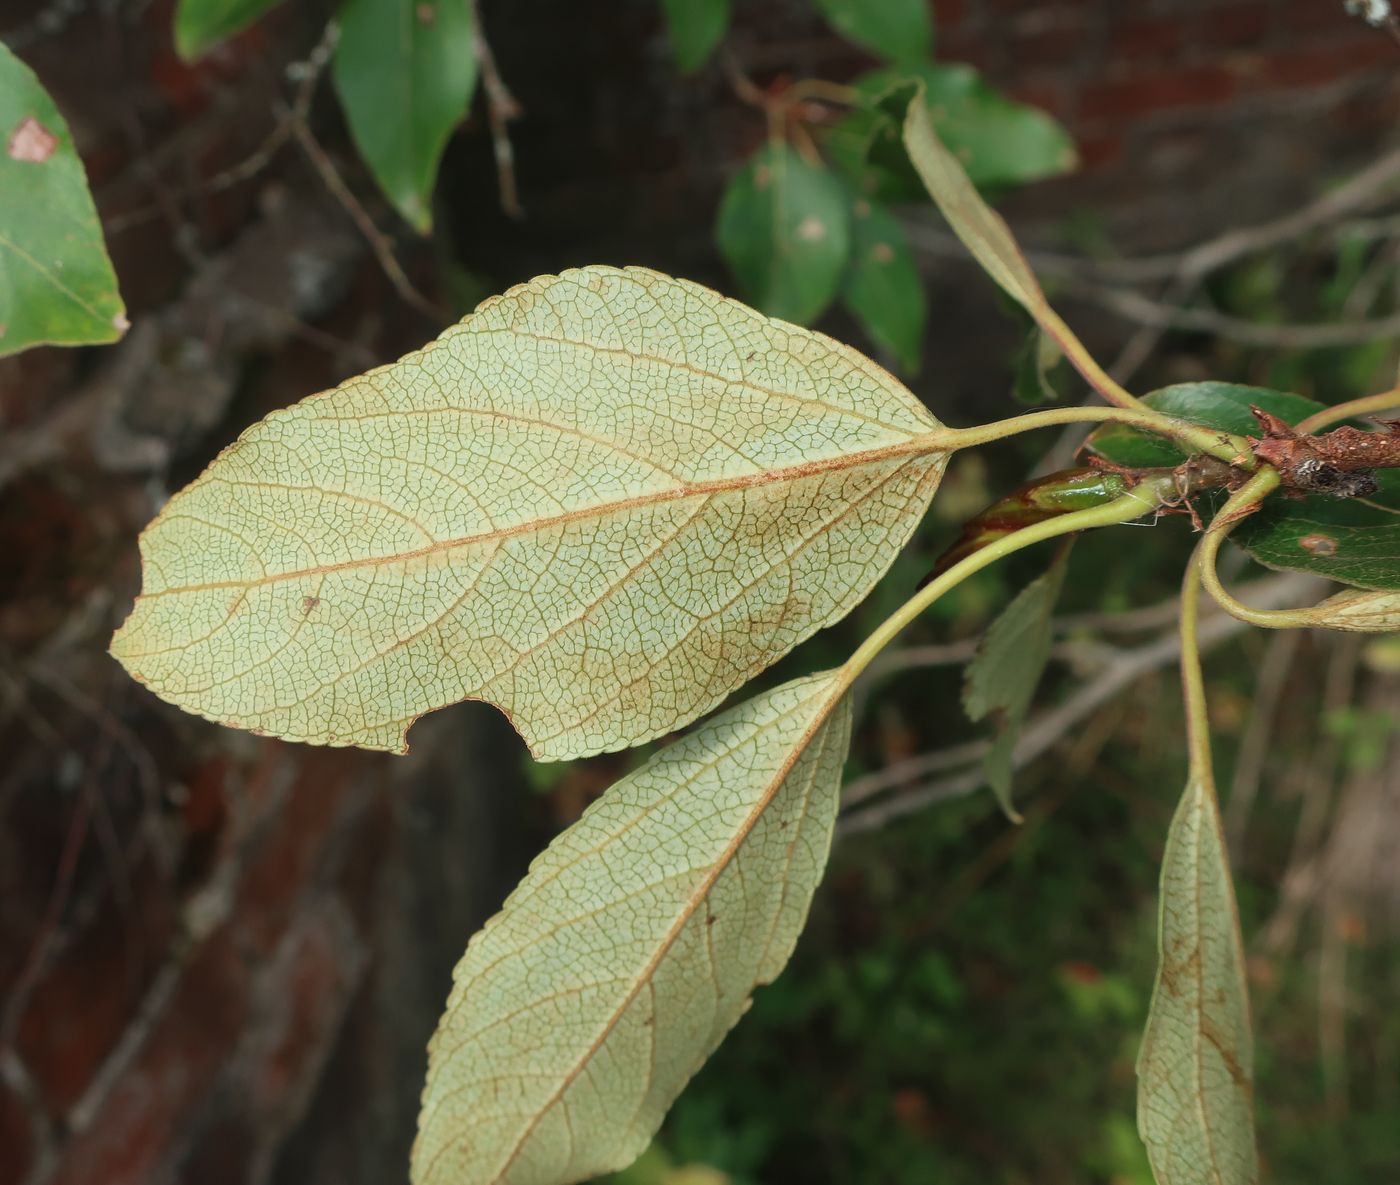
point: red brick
(172, 1076)
(1304, 20)
(82, 1004)
(310, 986)
(1202, 86)
(1099, 152)
(17, 1143)
(1052, 48)
(947, 13)
(1237, 27)
(1313, 67)
(1145, 41)
(289, 852)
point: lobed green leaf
(602, 502)
(57, 286)
(633, 946)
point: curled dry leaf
(602, 502)
(633, 946)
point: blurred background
(221, 957)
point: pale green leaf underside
(1196, 1066)
(632, 947)
(602, 502)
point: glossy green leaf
(784, 230)
(900, 30)
(882, 287)
(997, 141)
(696, 27)
(405, 71)
(632, 947)
(202, 24)
(56, 282)
(1001, 680)
(602, 502)
(1210, 404)
(1196, 1065)
(1353, 540)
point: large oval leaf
(56, 282)
(602, 502)
(632, 947)
(1196, 1066)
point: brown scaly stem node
(1340, 463)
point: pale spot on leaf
(32, 142)
(811, 229)
(882, 253)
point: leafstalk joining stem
(1141, 499)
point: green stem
(1083, 361)
(1193, 682)
(1385, 401)
(1192, 437)
(1142, 498)
(1235, 509)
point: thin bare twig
(377, 240)
(501, 108)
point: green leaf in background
(1210, 404)
(405, 71)
(633, 946)
(998, 142)
(202, 24)
(56, 282)
(784, 229)
(1353, 540)
(1036, 361)
(882, 287)
(1196, 1066)
(696, 27)
(896, 29)
(1002, 678)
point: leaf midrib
(925, 443)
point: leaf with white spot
(883, 288)
(602, 502)
(1196, 1065)
(784, 230)
(633, 946)
(56, 281)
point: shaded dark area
(221, 956)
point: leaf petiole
(1141, 499)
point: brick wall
(220, 957)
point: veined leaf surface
(1196, 1066)
(632, 947)
(602, 502)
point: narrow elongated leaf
(632, 947)
(1002, 678)
(56, 282)
(1361, 613)
(1196, 1066)
(696, 27)
(997, 141)
(982, 229)
(883, 287)
(202, 24)
(896, 29)
(784, 230)
(405, 71)
(603, 502)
